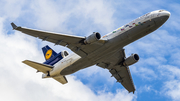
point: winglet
(13, 25)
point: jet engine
(92, 38)
(131, 60)
(64, 54)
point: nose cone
(166, 13)
(162, 17)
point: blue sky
(156, 76)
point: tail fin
(48, 52)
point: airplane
(106, 52)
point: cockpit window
(66, 53)
(161, 10)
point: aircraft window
(66, 53)
(147, 13)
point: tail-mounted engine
(92, 38)
(64, 54)
(131, 60)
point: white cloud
(147, 88)
(171, 86)
(82, 15)
(144, 73)
(11, 8)
(174, 20)
(172, 89)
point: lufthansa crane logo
(48, 54)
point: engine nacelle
(92, 38)
(131, 60)
(64, 54)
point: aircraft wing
(72, 42)
(38, 66)
(61, 79)
(119, 72)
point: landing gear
(48, 73)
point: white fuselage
(65, 62)
(115, 40)
(139, 21)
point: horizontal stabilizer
(38, 66)
(61, 79)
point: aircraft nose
(166, 13)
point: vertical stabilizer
(51, 56)
(48, 52)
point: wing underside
(72, 42)
(119, 72)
